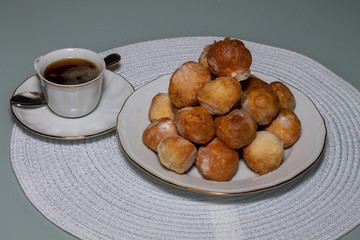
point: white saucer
(45, 122)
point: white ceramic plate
(45, 122)
(133, 119)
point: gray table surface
(326, 31)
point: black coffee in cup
(71, 71)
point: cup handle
(36, 63)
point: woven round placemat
(90, 189)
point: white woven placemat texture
(90, 189)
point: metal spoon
(28, 99)
(37, 99)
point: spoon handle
(112, 59)
(28, 99)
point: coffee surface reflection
(71, 71)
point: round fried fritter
(176, 153)
(236, 129)
(287, 99)
(251, 82)
(203, 56)
(286, 126)
(160, 107)
(217, 162)
(229, 58)
(186, 83)
(156, 131)
(195, 124)
(265, 153)
(262, 103)
(219, 95)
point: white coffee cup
(74, 100)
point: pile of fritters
(216, 111)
